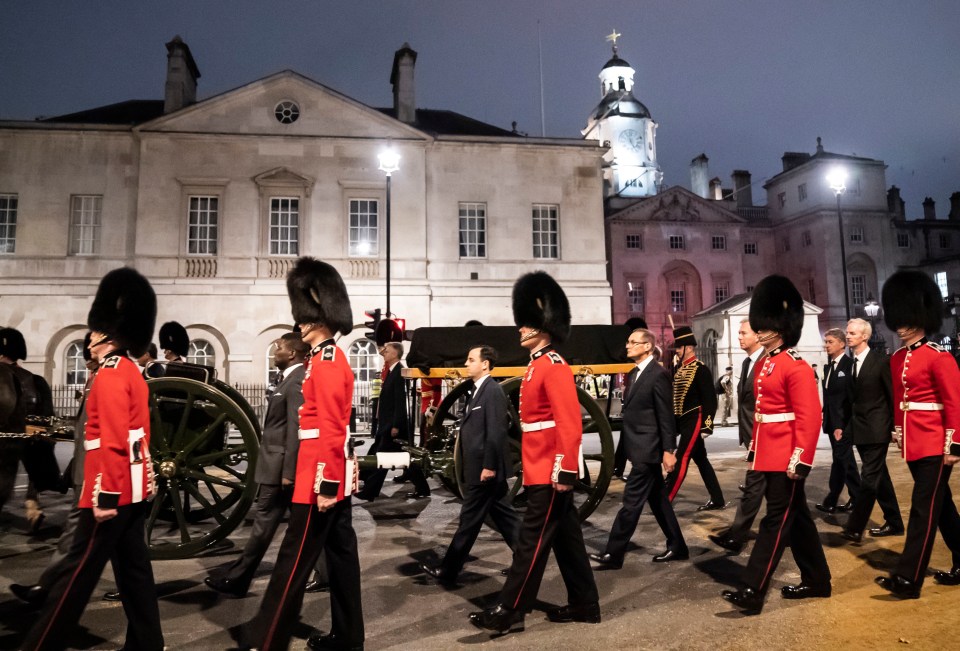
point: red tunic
(550, 419)
(925, 374)
(785, 385)
(324, 419)
(117, 468)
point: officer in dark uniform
(926, 410)
(174, 341)
(786, 430)
(551, 449)
(118, 474)
(694, 404)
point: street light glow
(389, 161)
(837, 179)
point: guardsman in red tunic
(118, 474)
(786, 430)
(320, 519)
(551, 452)
(926, 418)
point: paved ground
(645, 606)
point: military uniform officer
(118, 475)
(174, 341)
(786, 430)
(926, 410)
(550, 452)
(694, 404)
(320, 518)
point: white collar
(862, 356)
(756, 354)
(644, 364)
(287, 371)
(478, 382)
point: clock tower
(623, 124)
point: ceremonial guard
(786, 430)
(926, 410)
(118, 474)
(174, 341)
(320, 518)
(694, 404)
(550, 451)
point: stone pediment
(281, 177)
(252, 110)
(678, 204)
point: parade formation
(308, 465)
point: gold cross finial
(613, 36)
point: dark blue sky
(741, 80)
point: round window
(287, 112)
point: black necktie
(744, 375)
(855, 361)
(826, 379)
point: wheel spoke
(201, 437)
(213, 492)
(236, 473)
(211, 458)
(178, 512)
(182, 426)
(197, 495)
(197, 474)
(158, 500)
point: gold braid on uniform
(681, 385)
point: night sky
(742, 81)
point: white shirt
(836, 365)
(642, 365)
(862, 356)
(478, 382)
(287, 371)
(753, 359)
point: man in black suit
(870, 425)
(837, 376)
(486, 466)
(276, 466)
(650, 440)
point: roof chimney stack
(742, 188)
(954, 207)
(404, 101)
(182, 75)
(700, 176)
(929, 208)
(716, 189)
(895, 204)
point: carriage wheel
(204, 441)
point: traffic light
(389, 330)
(373, 324)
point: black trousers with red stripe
(787, 522)
(692, 448)
(550, 521)
(931, 507)
(310, 533)
(93, 545)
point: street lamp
(837, 179)
(954, 304)
(389, 163)
(871, 308)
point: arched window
(272, 377)
(364, 360)
(201, 352)
(75, 368)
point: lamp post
(871, 308)
(837, 179)
(389, 163)
(954, 304)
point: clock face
(631, 139)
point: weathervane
(612, 37)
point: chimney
(929, 208)
(699, 173)
(716, 191)
(793, 159)
(182, 75)
(894, 202)
(954, 207)
(401, 77)
(742, 189)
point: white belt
(91, 444)
(536, 427)
(304, 434)
(921, 406)
(775, 418)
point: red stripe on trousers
(286, 588)
(776, 543)
(931, 526)
(685, 459)
(536, 552)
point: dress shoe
(803, 591)
(607, 560)
(845, 508)
(886, 530)
(440, 574)
(727, 543)
(899, 586)
(400, 479)
(852, 536)
(748, 599)
(712, 506)
(31, 594)
(317, 586)
(331, 642)
(829, 510)
(498, 619)
(742, 487)
(416, 495)
(230, 587)
(943, 578)
(111, 596)
(366, 497)
(587, 613)
(671, 555)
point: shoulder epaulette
(794, 354)
(555, 357)
(112, 362)
(937, 347)
(328, 354)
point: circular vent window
(287, 112)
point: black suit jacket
(483, 433)
(747, 403)
(281, 441)
(649, 426)
(392, 409)
(836, 397)
(871, 399)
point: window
(721, 291)
(273, 373)
(782, 199)
(811, 290)
(8, 223)
(944, 240)
(858, 289)
(678, 300)
(546, 232)
(634, 241)
(941, 278)
(856, 234)
(75, 367)
(718, 242)
(364, 360)
(364, 239)
(676, 242)
(201, 352)
(903, 240)
(85, 224)
(802, 191)
(287, 112)
(806, 240)
(284, 226)
(473, 230)
(750, 248)
(750, 289)
(635, 298)
(202, 225)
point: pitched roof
(133, 111)
(450, 123)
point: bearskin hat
(683, 336)
(539, 302)
(12, 344)
(125, 309)
(635, 322)
(86, 347)
(777, 305)
(174, 337)
(912, 299)
(318, 295)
